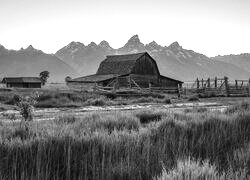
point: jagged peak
(74, 45)
(92, 44)
(104, 44)
(2, 48)
(30, 48)
(175, 45)
(134, 42)
(153, 43)
(134, 39)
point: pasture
(146, 143)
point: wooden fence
(207, 87)
(220, 87)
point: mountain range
(173, 60)
(77, 59)
(30, 62)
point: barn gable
(139, 63)
(139, 68)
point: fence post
(149, 86)
(198, 83)
(236, 84)
(129, 81)
(249, 87)
(208, 82)
(226, 86)
(95, 87)
(215, 82)
(202, 81)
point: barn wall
(33, 85)
(165, 82)
(144, 80)
(145, 66)
(24, 85)
(18, 85)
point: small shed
(139, 68)
(22, 82)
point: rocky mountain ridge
(173, 60)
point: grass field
(130, 145)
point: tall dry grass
(116, 145)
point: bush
(14, 100)
(166, 100)
(149, 116)
(26, 111)
(97, 102)
(193, 98)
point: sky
(211, 27)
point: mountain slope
(30, 62)
(173, 61)
(85, 59)
(241, 60)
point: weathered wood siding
(145, 66)
(165, 82)
(144, 80)
(24, 85)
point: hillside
(173, 60)
(241, 60)
(30, 62)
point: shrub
(97, 102)
(193, 98)
(166, 100)
(14, 100)
(149, 116)
(144, 100)
(26, 110)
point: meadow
(152, 144)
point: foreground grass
(128, 145)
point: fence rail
(220, 86)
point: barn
(22, 82)
(127, 70)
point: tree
(44, 76)
(68, 78)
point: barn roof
(119, 64)
(21, 80)
(164, 77)
(94, 78)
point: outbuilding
(22, 82)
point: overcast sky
(211, 27)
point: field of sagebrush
(195, 144)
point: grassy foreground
(129, 145)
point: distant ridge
(30, 62)
(173, 60)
